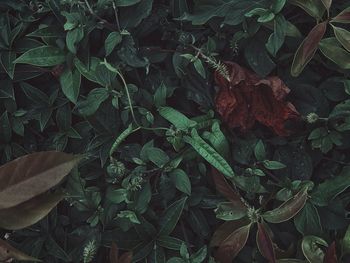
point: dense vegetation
(206, 131)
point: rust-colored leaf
(29, 212)
(265, 245)
(231, 246)
(224, 230)
(225, 189)
(342, 17)
(8, 253)
(114, 255)
(33, 174)
(288, 209)
(126, 258)
(308, 48)
(331, 254)
(246, 99)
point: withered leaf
(33, 174)
(246, 98)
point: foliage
(211, 130)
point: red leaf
(331, 254)
(126, 258)
(225, 189)
(265, 244)
(343, 16)
(246, 98)
(231, 246)
(308, 48)
(114, 253)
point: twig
(116, 15)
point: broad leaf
(342, 17)
(179, 120)
(288, 209)
(33, 174)
(308, 221)
(343, 37)
(307, 48)
(45, 56)
(70, 84)
(332, 50)
(29, 212)
(265, 245)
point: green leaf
(93, 101)
(126, 2)
(314, 8)
(198, 65)
(327, 3)
(273, 165)
(113, 39)
(169, 242)
(346, 241)
(5, 128)
(307, 48)
(70, 84)
(132, 16)
(200, 255)
(121, 137)
(218, 140)
(332, 50)
(311, 248)
(45, 56)
(208, 153)
(329, 189)
(181, 180)
(7, 58)
(259, 151)
(308, 221)
(228, 211)
(342, 17)
(179, 120)
(171, 216)
(278, 5)
(116, 196)
(88, 72)
(29, 212)
(276, 39)
(156, 156)
(343, 36)
(73, 38)
(129, 215)
(33, 174)
(288, 209)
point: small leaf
(169, 242)
(181, 180)
(259, 151)
(73, 37)
(265, 245)
(121, 137)
(7, 253)
(198, 65)
(228, 211)
(288, 209)
(93, 101)
(29, 212)
(45, 56)
(273, 165)
(113, 39)
(33, 174)
(70, 84)
(307, 48)
(179, 120)
(278, 5)
(311, 250)
(314, 8)
(342, 17)
(231, 246)
(171, 216)
(343, 37)
(332, 50)
(208, 153)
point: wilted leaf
(232, 245)
(331, 254)
(7, 252)
(246, 98)
(307, 48)
(33, 174)
(342, 17)
(265, 245)
(42, 56)
(29, 212)
(288, 209)
(311, 248)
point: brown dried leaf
(114, 255)
(231, 246)
(33, 174)
(29, 212)
(265, 245)
(246, 98)
(7, 252)
(331, 254)
(308, 48)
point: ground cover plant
(174, 131)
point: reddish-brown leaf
(246, 98)
(308, 48)
(331, 254)
(231, 246)
(265, 245)
(225, 189)
(114, 253)
(343, 16)
(126, 258)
